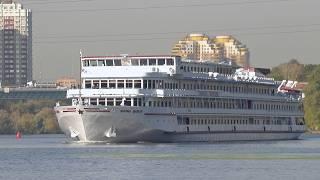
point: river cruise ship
(167, 99)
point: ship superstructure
(167, 99)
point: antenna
(80, 84)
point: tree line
(28, 117)
(309, 73)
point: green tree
(6, 126)
(46, 121)
(292, 70)
(26, 124)
(312, 100)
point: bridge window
(152, 62)
(101, 63)
(143, 62)
(85, 63)
(117, 62)
(109, 62)
(135, 62)
(93, 62)
(170, 62)
(161, 62)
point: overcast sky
(275, 31)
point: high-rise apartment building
(15, 43)
(201, 47)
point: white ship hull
(131, 125)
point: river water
(52, 157)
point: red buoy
(18, 135)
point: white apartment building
(201, 47)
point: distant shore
(313, 132)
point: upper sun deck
(96, 61)
(142, 66)
(128, 66)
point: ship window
(152, 62)
(118, 101)
(85, 63)
(109, 101)
(112, 84)
(153, 84)
(145, 84)
(137, 83)
(93, 101)
(251, 120)
(179, 119)
(120, 83)
(104, 84)
(128, 83)
(135, 62)
(102, 101)
(101, 63)
(127, 102)
(135, 102)
(117, 62)
(143, 62)
(95, 84)
(87, 84)
(161, 62)
(186, 120)
(93, 62)
(170, 62)
(109, 62)
(149, 84)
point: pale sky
(275, 31)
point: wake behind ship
(166, 99)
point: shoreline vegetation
(38, 116)
(28, 117)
